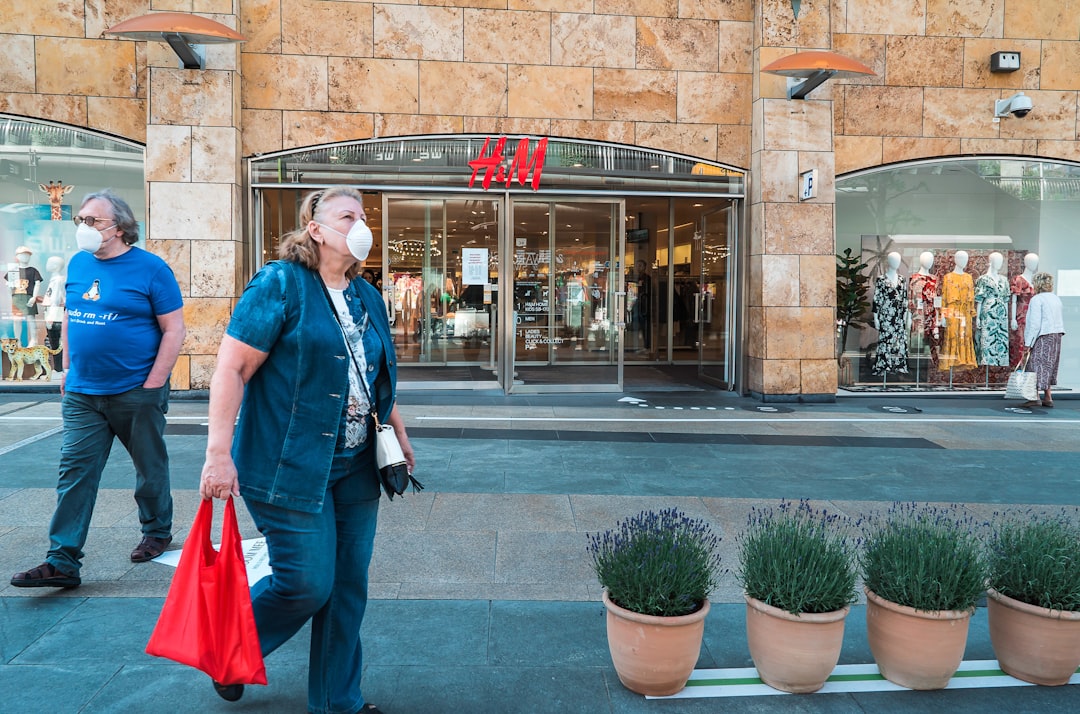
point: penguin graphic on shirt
(94, 293)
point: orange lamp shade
(806, 64)
(194, 29)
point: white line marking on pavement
(744, 681)
(31, 440)
(776, 420)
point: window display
(45, 168)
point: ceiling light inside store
(952, 239)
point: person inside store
(1043, 331)
(119, 351)
(306, 379)
(640, 318)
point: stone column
(790, 320)
(194, 191)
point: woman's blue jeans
(320, 572)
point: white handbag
(1022, 385)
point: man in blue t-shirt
(121, 335)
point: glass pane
(564, 293)
(714, 293)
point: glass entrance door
(567, 302)
(440, 287)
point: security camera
(1018, 105)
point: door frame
(507, 312)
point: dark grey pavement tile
(24, 620)
(1014, 700)
(57, 688)
(81, 635)
(487, 690)
(607, 478)
(426, 633)
(551, 634)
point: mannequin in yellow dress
(958, 310)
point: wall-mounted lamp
(814, 68)
(185, 34)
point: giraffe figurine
(56, 193)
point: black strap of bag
(394, 471)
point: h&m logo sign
(524, 168)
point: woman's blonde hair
(298, 246)
(1042, 282)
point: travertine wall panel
(857, 152)
(563, 92)
(123, 117)
(406, 124)
(62, 18)
(621, 132)
(707, 97)
(186, 210)
(581, 40)
(317, 27)
(284, 82)
(638, 95)
(262, 131)
(739, 10)
(695, 139)
(1060, 65)
(733, 145)
(314, 128)
(1040, 19)
(868, 49)
(551, 5)
(213, 267)
(63, 63)
(374, 85)
(798, 228)
(168, 153)
(959, 112)
(17, 70)
(419, 32)
(1053, 117)
(644, 8)
(260, 23)
(817, 280)
(886, 17)
(199, 99)
(907, 148)
(505, 36)
(735, 46)
(71, 110)
(780, 29)
(883, 111)
(677, 44)
(508, 125)
(924, 61)
(965, 18)
(449, 87)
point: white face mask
(89, 239)
(358, 240)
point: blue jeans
(91, 422)
(320, 572)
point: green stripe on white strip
(744, 682)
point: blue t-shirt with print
(112, 309)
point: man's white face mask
(358, 240)
(89, 239)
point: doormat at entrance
(846, 678)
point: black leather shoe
(229, 692)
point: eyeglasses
(91, 221)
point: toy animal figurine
(19, 356)
(56, 193)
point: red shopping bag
(207, 621)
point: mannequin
(958, 311)
(891, 319)
(23, 280)
(1022, 292)
(923, 302)
(54, 300)
(992, 315)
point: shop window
(45, 170)
(949, 249)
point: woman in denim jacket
(302, 452)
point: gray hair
(125, 219)
(1042, 282)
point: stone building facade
(675, 75)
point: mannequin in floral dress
(892, 319)
(922, 295)
(992, 315)
(1022, 292)
(958, 309)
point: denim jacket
(287, 430)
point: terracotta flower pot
(654, 655)
(915, 649)
(1032, 643)
(793, 653)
